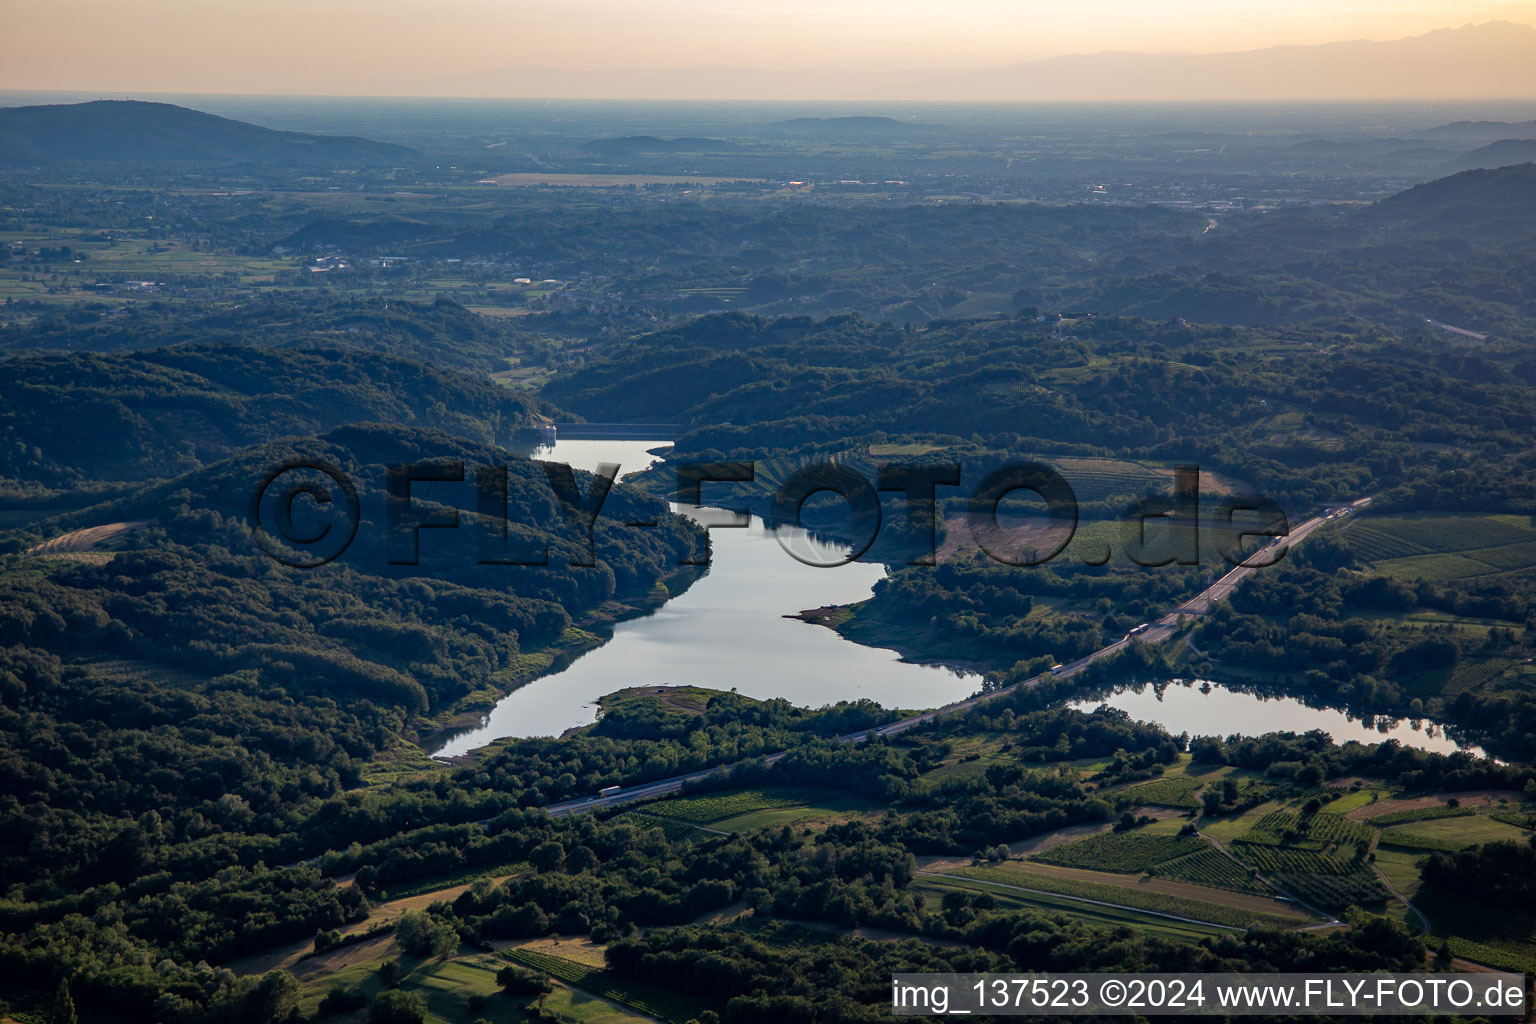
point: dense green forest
(215, 804)
(86, 418)
(439, 333)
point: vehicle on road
(608, 791)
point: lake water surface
(729, 631)
(1189, 706)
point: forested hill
(191, 671)
(70, 419)
(442, 333)
(136, 132)
(1497, 204)
(1301, 415)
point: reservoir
(728, 631)
(1214, 710)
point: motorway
(1156, 632)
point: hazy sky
(395, 46)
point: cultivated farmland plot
(1319, 857)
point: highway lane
(1156, 632)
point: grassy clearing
(1451, 834)
(670, 1007)
(1401, 868)
(570, 1004)
(704, 810)
(1362, 797)
(1226, 829)
(747, 809)
(968, 759)
(465, 876)
(831, 807)
(445, 986)
(400, 762)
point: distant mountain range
(1496, 59)
(135, 132)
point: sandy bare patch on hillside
(108, 537)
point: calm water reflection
(1202, 709)
(727, 630)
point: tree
(547, 856)
(520, 981)
(396, 1007)
(422, 934)
(63, 1005)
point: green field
(704, 810)
(747, 809)
(1451, 834)
(417, 886)
(1359, 798)
(445, 985)
(663, 1005)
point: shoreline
(588, 634)
(838, 617)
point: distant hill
(441, 333)
(1496, 154)
(842, 126)
(131, 131)
(645, 145)
(149, 415)
(1476, 132)
(1479, 205)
